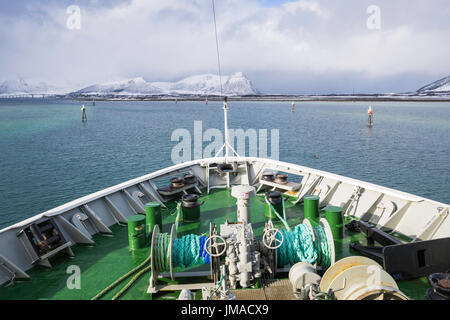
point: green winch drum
(136, 231)
(152, 216)
(276, 200)
(311, 209)
(190, 208)
(334, 217)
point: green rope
(189, 259)
(322, 246)
(278, 215)
(299, 246)
(284, 208)
(179, 212)
(187, 254)
(161, 258)
(162, 261)
(130, 283)
(218, 287)
(122, 278)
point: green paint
(191, 214)
(311, 206)
(136, 231)
(110, 258)
(269, 212)
(335, 219)
(152, 217)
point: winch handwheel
(216, 245)
(270, 240)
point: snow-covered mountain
(441, 86)
(125, 87)
(15, 86)
(19, 86)
(207, 84)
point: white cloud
(166, 40)
(303, 5)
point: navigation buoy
(370, 119)
(83, 113)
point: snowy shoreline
(262, 98)
(206, 86)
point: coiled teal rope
(188, 252)
(299, 246)
(322, 247)
(162, 258)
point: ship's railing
(414, 217)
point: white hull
(412, 216)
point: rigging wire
(217, 48)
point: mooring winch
(360, 278)
(236, 257)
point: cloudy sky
(305, 46)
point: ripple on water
(48, 157)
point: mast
(226, 145)
(225, 119)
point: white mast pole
(225, 117)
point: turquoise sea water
(49, 157)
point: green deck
(110, 258)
